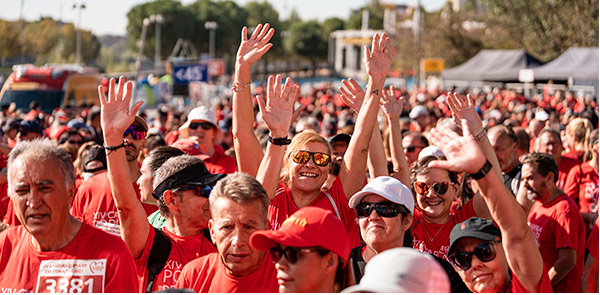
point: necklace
(439, 230)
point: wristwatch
(280, 140)
(483, 171)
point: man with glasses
(413, 142)
(310, 251)
(201, 127)
(94, 202)
(181, 186)
(385, 213)
(238, 205)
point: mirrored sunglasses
(439, 188)
(320, 159)
(200, 191)
(135, 133)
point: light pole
(212, 27)
(157, 19)
(81, 6)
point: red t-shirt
(220, 163)
(558, 224)
(183, 250)
(563, 171)
(435, 238)
(208, 275)
(582, 187)
(578, 155)
(283, 206)
(544, 287)
(93, 262)
(592, 242)
(94, 204)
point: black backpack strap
(159, 253)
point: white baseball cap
(201, 113)
(403, 270)
(389, 188)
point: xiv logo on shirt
(171, 273)
(108, 222)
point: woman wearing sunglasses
(488, 259)
(310, 251)
(307, 159)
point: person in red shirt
(589, 281)
(490, 259)
(310, 251)
(181, 187)
(554, 220)
(94, 203)
(52, 251)
(238, 205)
(578, 131)
(549, 142)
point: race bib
(72, 276)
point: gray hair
(240, 188)
(40, 150)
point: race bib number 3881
(71, 276)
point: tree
(306, 40)
(330, 25)
(263, 12)
(375, 17)
(10, 45)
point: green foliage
(375, 18)
(306, 40)
(330, 25)
(264, 12)
(9, 34)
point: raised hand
(251, 50)
(378, 59)
(352, 95)
(463, 154)
(392, 106)
(278, 109)
(116, 116)
(464, 109)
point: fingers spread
(256, 32)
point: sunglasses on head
(200, 191)
(291, 253)
(383, 209)
(484, 252)
(204, 125)
(320, 159)
(439, 188)
(412, 148)
(135, 133)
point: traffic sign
(185, 73)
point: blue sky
(109, 16)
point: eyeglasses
(135, 133)
(383, 209)
(439, 188)
(75, 141)
(484, 252)
(412, 148)
(204, 125)
(320, 159)
(198, 190)
(291, 253)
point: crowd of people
(279, 188)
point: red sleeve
(123, 278)
(572, 183)
(567, 226)
(592, 242)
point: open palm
(252, 49)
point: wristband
(239, 86)
(479, 137)
(280, 140)
(111, 149)
(483, 171)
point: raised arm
(115, 118)
(377, 63)
(392, 107)
(465, 155)
(277, 112)
(353, 96)
(244, 140)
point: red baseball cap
(307, 227)
(191, 148)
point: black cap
(31, 126)
(340, 137)
(95, 153)
(196, 174)
(474, 227)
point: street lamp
(81, 6)
(212, 27)
(157, 19)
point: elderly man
(238, 205)
(201, 127)
(555, 221)
(505, 144)
(53, 251)
(549, 142)
(181, 186)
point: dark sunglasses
(200, 191)
(412, 148)
(439, 188)
(484, 252)
(204, 125)
(383, 209)
(320, 159)
(291, 253)
(75, 141)
(135, 133)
